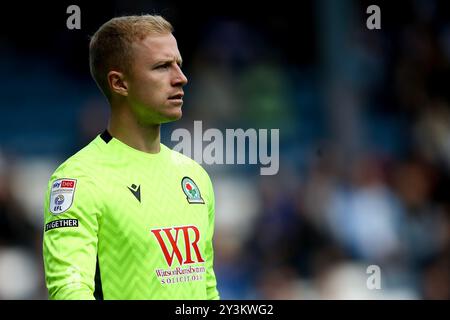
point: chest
(141, 200)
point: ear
(117, 83)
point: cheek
(151, 96)
(147, 88)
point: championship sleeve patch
(62, 223)
(61, 195)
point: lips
(176, 96)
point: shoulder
(194, 173)
(180, 160)
(76, 181)
(190, 168)
(82, 164)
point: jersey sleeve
(71, 214)
(211, 282)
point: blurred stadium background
(364, 119)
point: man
(126, 217)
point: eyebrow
(178, 60)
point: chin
(174, 115)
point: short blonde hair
(110, 46)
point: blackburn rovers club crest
(191, 191)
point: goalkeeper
(126, 217)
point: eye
(163, 66)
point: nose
(179, 79)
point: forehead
(157, 47)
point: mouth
(177, 96)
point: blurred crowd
(364, 173)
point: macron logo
(168, 240)
(136, 191)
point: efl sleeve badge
(61, 195)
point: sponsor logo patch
(62, 223)
(182, 265)
(61, 195)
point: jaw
(172, 115)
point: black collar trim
(106, 136)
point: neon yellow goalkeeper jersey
(124, 224)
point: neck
(125, 127)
